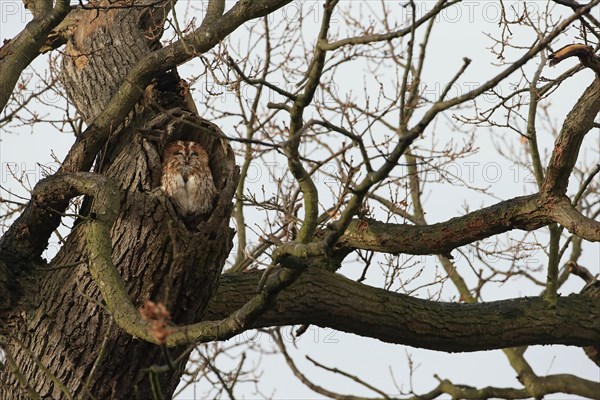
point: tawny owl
(187, 178)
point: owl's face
(185, 152)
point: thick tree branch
(585, 54)
(469, 392)
(566, 148)
(442, 238)
(214, 10)
(562, 212)
(562, 383)
(326, 299)
(19, 52)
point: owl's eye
(179, 153)
(194, 153)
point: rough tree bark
(158, 257)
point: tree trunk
(159, 257)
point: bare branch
(439, 6)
